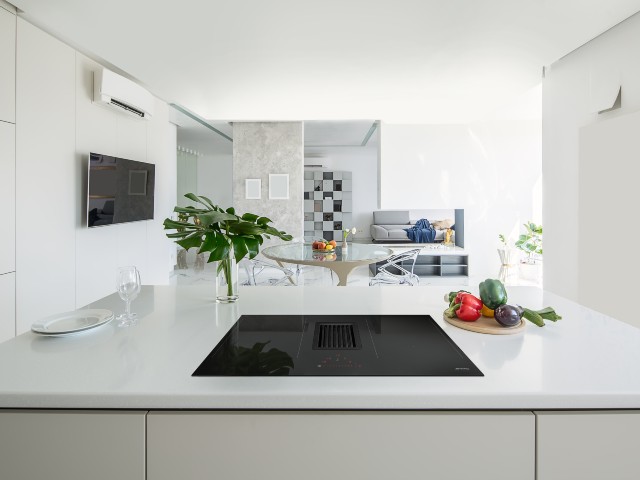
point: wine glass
(128, 286)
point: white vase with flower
(345, 234)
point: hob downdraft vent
(336, 336)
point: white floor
(308, 276)
(311, 276)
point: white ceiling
(346, 133)
(406, 61)
(320, 137)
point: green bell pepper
(492, 293)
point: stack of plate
(72, 322)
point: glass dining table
(342, 261)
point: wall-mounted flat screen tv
(119, 190)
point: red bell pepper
(470, 308)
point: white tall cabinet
(7, 170)
(7, 64)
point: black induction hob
(336, 345)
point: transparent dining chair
(253, 267)
(398, 270)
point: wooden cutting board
(485, 325)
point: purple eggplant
(508, 315)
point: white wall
(490, 169)
(215, 178)
(362, 162)
(187, 176)
(60, 264)
(569, 88)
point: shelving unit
(436, 265)
(327, 204)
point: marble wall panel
(261, 148)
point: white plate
(72, 322)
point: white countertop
(586, 360)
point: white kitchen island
(562, 400)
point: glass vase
(227, 279)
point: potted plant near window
(531, 244)
(226, 236)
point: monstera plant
(222, 233)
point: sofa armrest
(378, 232)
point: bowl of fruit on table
(324, 246)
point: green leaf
(263, 220)
(231, 210)
(220, 250)
(189, 210)
(246, 228)
(253, 245)
(194, 240)
(195, 198)
(215, 217)
(249, 217)
(169, 223)
(240, 249)
(276, 233)
(208, 201)
(212, 240)
(178, 234)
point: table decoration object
(72, 322)
(226, 236)
(345, 234)
(128, 285)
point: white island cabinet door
(72, 445)
(588, 445)
(340, 445)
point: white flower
(347, 231)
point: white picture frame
(279, 186)
(253, 189)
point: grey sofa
(390, 225)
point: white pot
(531, 271)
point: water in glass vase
(227, 280)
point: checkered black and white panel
(328, 204)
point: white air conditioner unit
(122, 94)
